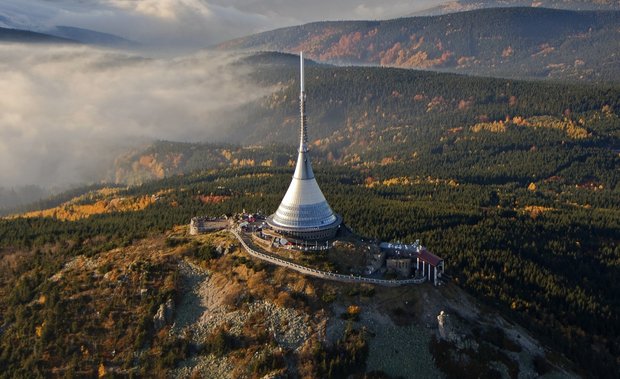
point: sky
(193, 23)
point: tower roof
(304, 206)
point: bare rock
(164, 315)
(159, 320)
(169, 311)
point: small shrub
(367, 291)
(328, 296)
(176, 241)
(219, 343)
(284, 299)
(206, 252)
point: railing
(323, 274)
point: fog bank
(66, 111)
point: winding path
(322, 274)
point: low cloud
(193, 23)
(66, 111)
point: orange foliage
(150, 163)
(213, 199)
(314, 43)
(284, 300)
(465, 104)
(354, 310)
(348, 45)
(507, 52)
(464, 61)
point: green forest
(451, 126)
(515, 184)
(554, 271)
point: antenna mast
(303, 142)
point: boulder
(164, 315)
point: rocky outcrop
(445, 328)
(164, 315)
(448, 331)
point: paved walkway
(322, 274)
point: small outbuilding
(430, 266)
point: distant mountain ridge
(468, 5)
(509, 42)
(90, 36)
(26, 36)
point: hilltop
(165, 303)
(507, 42)
(500, 238)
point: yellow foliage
(243, 162)
(536, 210)
(227, 154)
(532, 187)
(71, 211)
(101, 370)
(108, 191)
(403, 180)
(573, 130)
(494, 127)
(387, 160)
(371, 182)
(39, 329)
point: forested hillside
(508, 42)
(451, 126)
(467, 5)
(514, 183)
(545, 253)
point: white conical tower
(304, 213)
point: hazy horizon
(192, 24)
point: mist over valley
(433, 192)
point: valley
(492, 136)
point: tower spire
(303, 141)
(303, 214)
